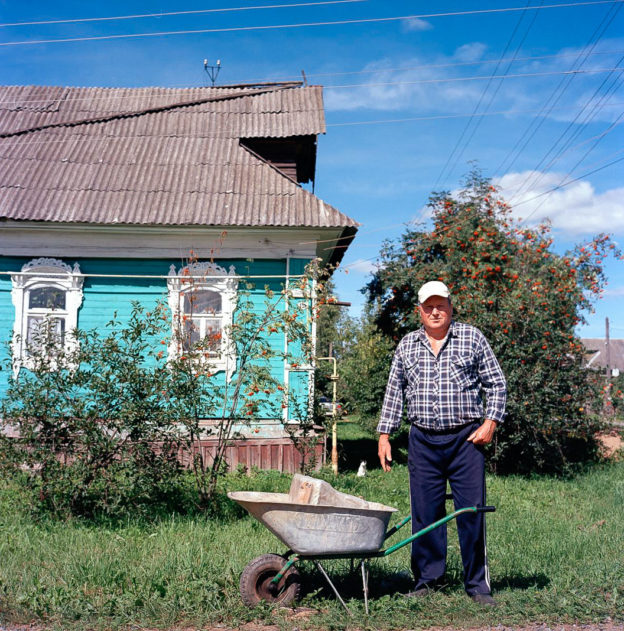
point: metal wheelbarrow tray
(315, 519)
(317, 522)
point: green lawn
(556, 551)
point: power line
(562, 182)
(456, 64)
(558, 92)
(583, 142)
(478, 105)
(474, 78)
(526, 185)
(611, 155)
(307, 24)
(441, 117)
(174, 13)
(331, 87)
(598, 105)
(556, 188)
(167, 91)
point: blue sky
(399, 98)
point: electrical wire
(455, 64)
(454, 159)
(558, 92)
(488, 78)
(176, 13)
(583, 142)
(563, 180)
(21, 102)
(441, 117)
(533, 181)
(305, 24)
(556, 188)
(167, 91)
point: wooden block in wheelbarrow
(307, 490)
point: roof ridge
(149, 110)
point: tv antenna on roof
(212, 71)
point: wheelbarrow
(318, 523)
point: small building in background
(105, 192)
(598, 356)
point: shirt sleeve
(493, 383)
(392, 409)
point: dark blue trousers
(434, 458)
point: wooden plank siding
(103, 297)
(278, 454)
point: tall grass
(556, 551)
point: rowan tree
(506, 279)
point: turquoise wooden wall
(102, 297)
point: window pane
(202, 301)
(212, 337)
(42, 330)
(46, 298)
(190, 334)
(33, 336)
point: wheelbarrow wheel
(255, 581)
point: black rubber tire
(255, 582)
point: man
(441, 371)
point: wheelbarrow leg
(324, 573)
(364, 565)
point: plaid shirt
(443, 392)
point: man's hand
(385, 452)
(483, 434)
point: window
(202, 321)
(47, 294)
(202, 298)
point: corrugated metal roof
(155, 156)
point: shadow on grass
(351, 451)
(521, 581)
(348, 581)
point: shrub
(506, 280)
(88, 421)
(101, 428)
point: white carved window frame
(44, 273)
(212, 277)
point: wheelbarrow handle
(486, 509)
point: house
(598, 356)
(105, 191)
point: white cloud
(614, 292)
(416, 24)
(361, 266)
(470, 52)
(576, 209)
(401, 84)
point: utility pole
(607, 350)
(607, 389)
(333, 379)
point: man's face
(436, 313)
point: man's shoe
(485, 600)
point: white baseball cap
(433, 288)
